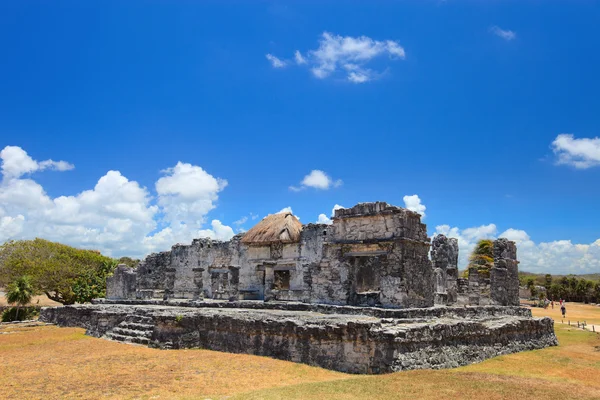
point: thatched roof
(282, 227)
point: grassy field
(56, 363)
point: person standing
(563, 309)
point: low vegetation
(64, 363)
(585, 289)
(65, 274)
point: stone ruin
(370, 293)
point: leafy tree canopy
(482, 256)
(64, 273)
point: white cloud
(188, 193)
(556, 257)
(346, 56)
(324, 219)
(276, 62)
(117, 216)
(504, 34)
(580, 153)
(241, 221)
(317, 179)
(218, 231)
(413, 203)
(299, 58)
(287, 209)
(16, 163)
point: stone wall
(372, 254)
(444, 257)
(122, 284)
(358, 343)
(505, 274)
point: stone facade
(372, 254)
(444, 257)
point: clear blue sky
(465, 120)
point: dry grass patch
(42, 301)
(56, 363)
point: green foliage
(482, 257)
(575, 289)
(64, 273)
(130, 262)
(19, 314)
(92, 284)
(20, 291)
(178, 318)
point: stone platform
(358, 340)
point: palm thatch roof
(283, 227)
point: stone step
(136, 326)
(138, 319)
(131, 332)
(127, 339)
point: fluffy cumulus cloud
(324, 219)
(117, 216)
(344, 56)
(317, 179)
(413, 203)
(16, 163)
(557, 257)
(580, 153)
(503, 33)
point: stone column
(504, 286)
(198, 284)
(169, 283)
(474, 286)
(444, 257)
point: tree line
(569, 288)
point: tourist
(553, 304)
(563, 309)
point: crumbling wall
(151, 275)
(504, 285)
(444, 257)
(122, 284)
(376, 254)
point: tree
(130, 262)
(482, 256)
(20, 293)
(548, 281)
(64, 273)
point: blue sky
(461, 103)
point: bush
(19, 314)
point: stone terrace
(343, 338)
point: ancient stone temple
(373, 254)
(370, 293)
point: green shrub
(20, 314)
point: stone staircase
(135, 329)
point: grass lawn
(56, 363)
